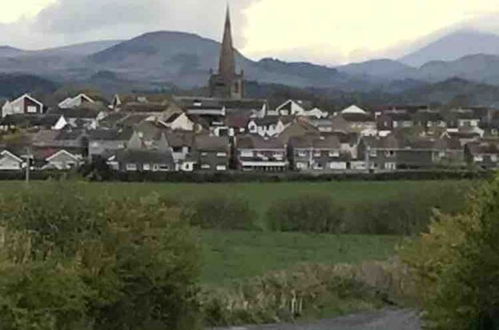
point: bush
(70, 262)
(221, 212)
(285, 296)
(455, 265)
(408, 213)
(315, 213)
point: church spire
(227, 66)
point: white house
(179, 121)
(24, 104)
(10, 162)
(266, 127)
(290, 108)
(74, 102)
(62, 160)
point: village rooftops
(211, 143)
(316, 142)
(258, 142)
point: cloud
(71, 21)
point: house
(212, 152)
(316, 153)
(50, 141)
(463, 119)
(237, 123)
(362, 123)
(256, 153)
(10, 162)
(137, 158)
(429, 119)
(178, 121)
(298, 127)
(388, 121)
(45, 121)
(394, 152)
(268, 126)
(24, 104)
(483, 154)
(62, 160)
(83, 116)
(291, 108)
(75, 102)
(104, 141)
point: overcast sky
(322, 31)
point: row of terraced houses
(142, 133)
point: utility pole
(28, 164)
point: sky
(322, 31)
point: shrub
(408, 213)
(455, 265)
(316, 213)
(220, 212)
(68, 262)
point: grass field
(234, 255)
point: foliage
(455, 265)
(315, 213)
(408, 213)
(307, 290)
(69, 261)
(220, 212)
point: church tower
(227, 83)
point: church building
(227, 83)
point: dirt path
(385, 320)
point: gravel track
(385, 320)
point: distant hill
(454, 46)
(81, 49)
(383, 68)
(13, 85)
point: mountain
(383, 68)
(6, 51)
(454, 46)
(13, 85)
(81, 49)
(479, 68)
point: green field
(235, 255)
(259, 195)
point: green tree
(456, 265)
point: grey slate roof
(211, 143)
(316, 142)
(258, 142)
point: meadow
(232, 255)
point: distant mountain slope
(453, 47)
(383, 68)
(81, 49)
(480, 68)
(186, 60)
(13, 85)
(6, 51)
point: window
(131, 167)
(317, 153)
(389, 153)
(372, 153)
(302, 154)
(493, 158)
(155, 167)
(177, 149)
(221, 154)
(164, 167)
(221, 168)
(478, 158)
(301, 166)
(205, 166)
(245, 153)
(390, 166)
(32, 109)
(334, 153)
(278, 156)
(146, 167)
(204, 154)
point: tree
(456, 265)
(71, 261)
